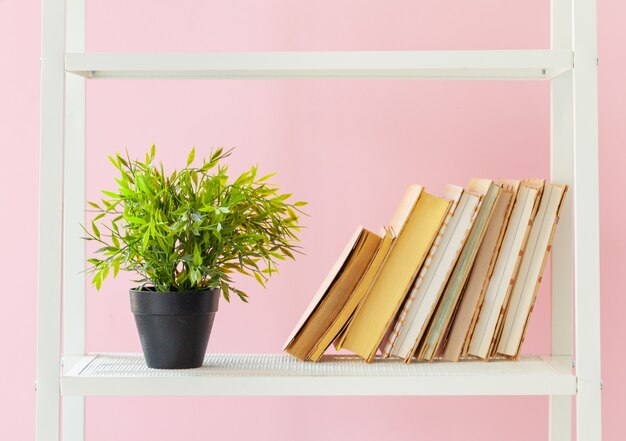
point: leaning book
(333, 294)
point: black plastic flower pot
(174, 327)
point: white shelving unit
(65, 378)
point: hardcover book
(457, 342)
(442, 317)
(362, 288)
(434, 275)
(420, 225)
(505, 270)
(333, 294)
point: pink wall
(348, 147)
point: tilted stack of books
(450, 278)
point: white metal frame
(66, 377)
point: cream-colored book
(440, 322)
(531, 269)
(457, 342)
(504, 271)
(434, 275)
(375, 314)
(539, 185)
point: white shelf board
(282, 375)
(496, 64)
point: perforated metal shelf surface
(279, 374)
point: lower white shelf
(282, 375)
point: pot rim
(143, 290)
(147, 302)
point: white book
(531, 269)
(504, 271)
(432, 281)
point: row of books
(451, 277)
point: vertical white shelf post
(49, 287)
(562, 170)
(586, 222)
(73, 214)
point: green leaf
(266, 177)
(111, 194)
(281, 197)
(259, 279)
(95, 230)
(242, 295)
(197, 258)
(194, 276)
(104, 273)
(287, 253)
(217, 234)
(126, 192)
(191, 156)
(142, 184)
(116, 162)
(97, 281)
(146, 239)
(225, 291)
(135, 220)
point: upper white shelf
(497, 64)
(280, 374)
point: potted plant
(184, 234)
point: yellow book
(398, 220)
(358, 294)
(381, 304)
(334, 292)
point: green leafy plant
(191, 229)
